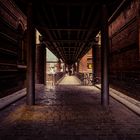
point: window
(21, 50)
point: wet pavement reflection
(68, 112)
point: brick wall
(124, 48)
(12, 77)
(83, 65)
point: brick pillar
(104, 58)
(30, 57)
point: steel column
(104, 58)
(30, 57)
(64, 67)
(77, 67)
(59, 65)
(94, 64)
(45, 62)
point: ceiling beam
(67, 29)
(59, 35)
(86, 35)
(71, 41)
(80, 31)
(90, 31)
(119, 8)
(69, 3)
(53, 44)
(57, 28)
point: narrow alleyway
(68, 113)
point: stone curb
(5, 101)
(129, 102)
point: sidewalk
(5, 101)
(129, 102)
(68, 113)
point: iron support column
(104, 58)
(59, 66)
(77, 67)
(64, 67)
(74, 68)
(41, 64)
(30, 57)
(94, 64)
(45, 65)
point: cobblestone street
(68, 113)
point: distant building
(85, 65)
(51, 62)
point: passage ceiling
(69, 26)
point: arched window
(21, 46)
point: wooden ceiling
(69, 26)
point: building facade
(85, 65)
(124, 36)
(12, 48)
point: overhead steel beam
(50, 36)
(67, 29)
(71, 41)
(59, 36)
(88, 20)
(90, 30)
(51, 3)
(70, 28)
(79, 31)
(68, 24)
(118, 10)
(46, 29)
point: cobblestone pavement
(68, 113)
